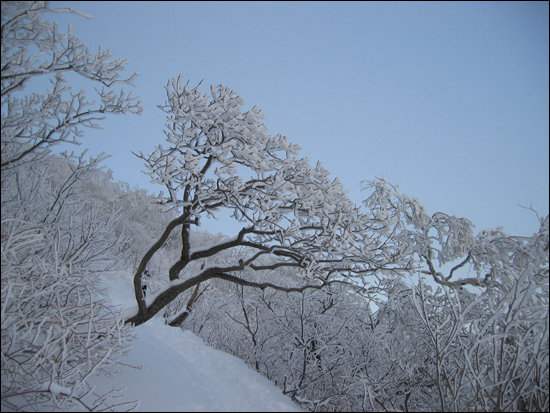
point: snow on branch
(31, 47)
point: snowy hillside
(183, 374)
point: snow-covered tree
(465, 336)
(34, 48)
(219, 157)
(293, 215)
(57, 233)
(486, 351)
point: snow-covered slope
(183, 374)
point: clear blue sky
(449, 100)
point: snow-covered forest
(374, 307)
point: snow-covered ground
(183, 374)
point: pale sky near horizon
(447, 99)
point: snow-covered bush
(57, 330)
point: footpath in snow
(183, 374)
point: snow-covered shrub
(57, 330)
